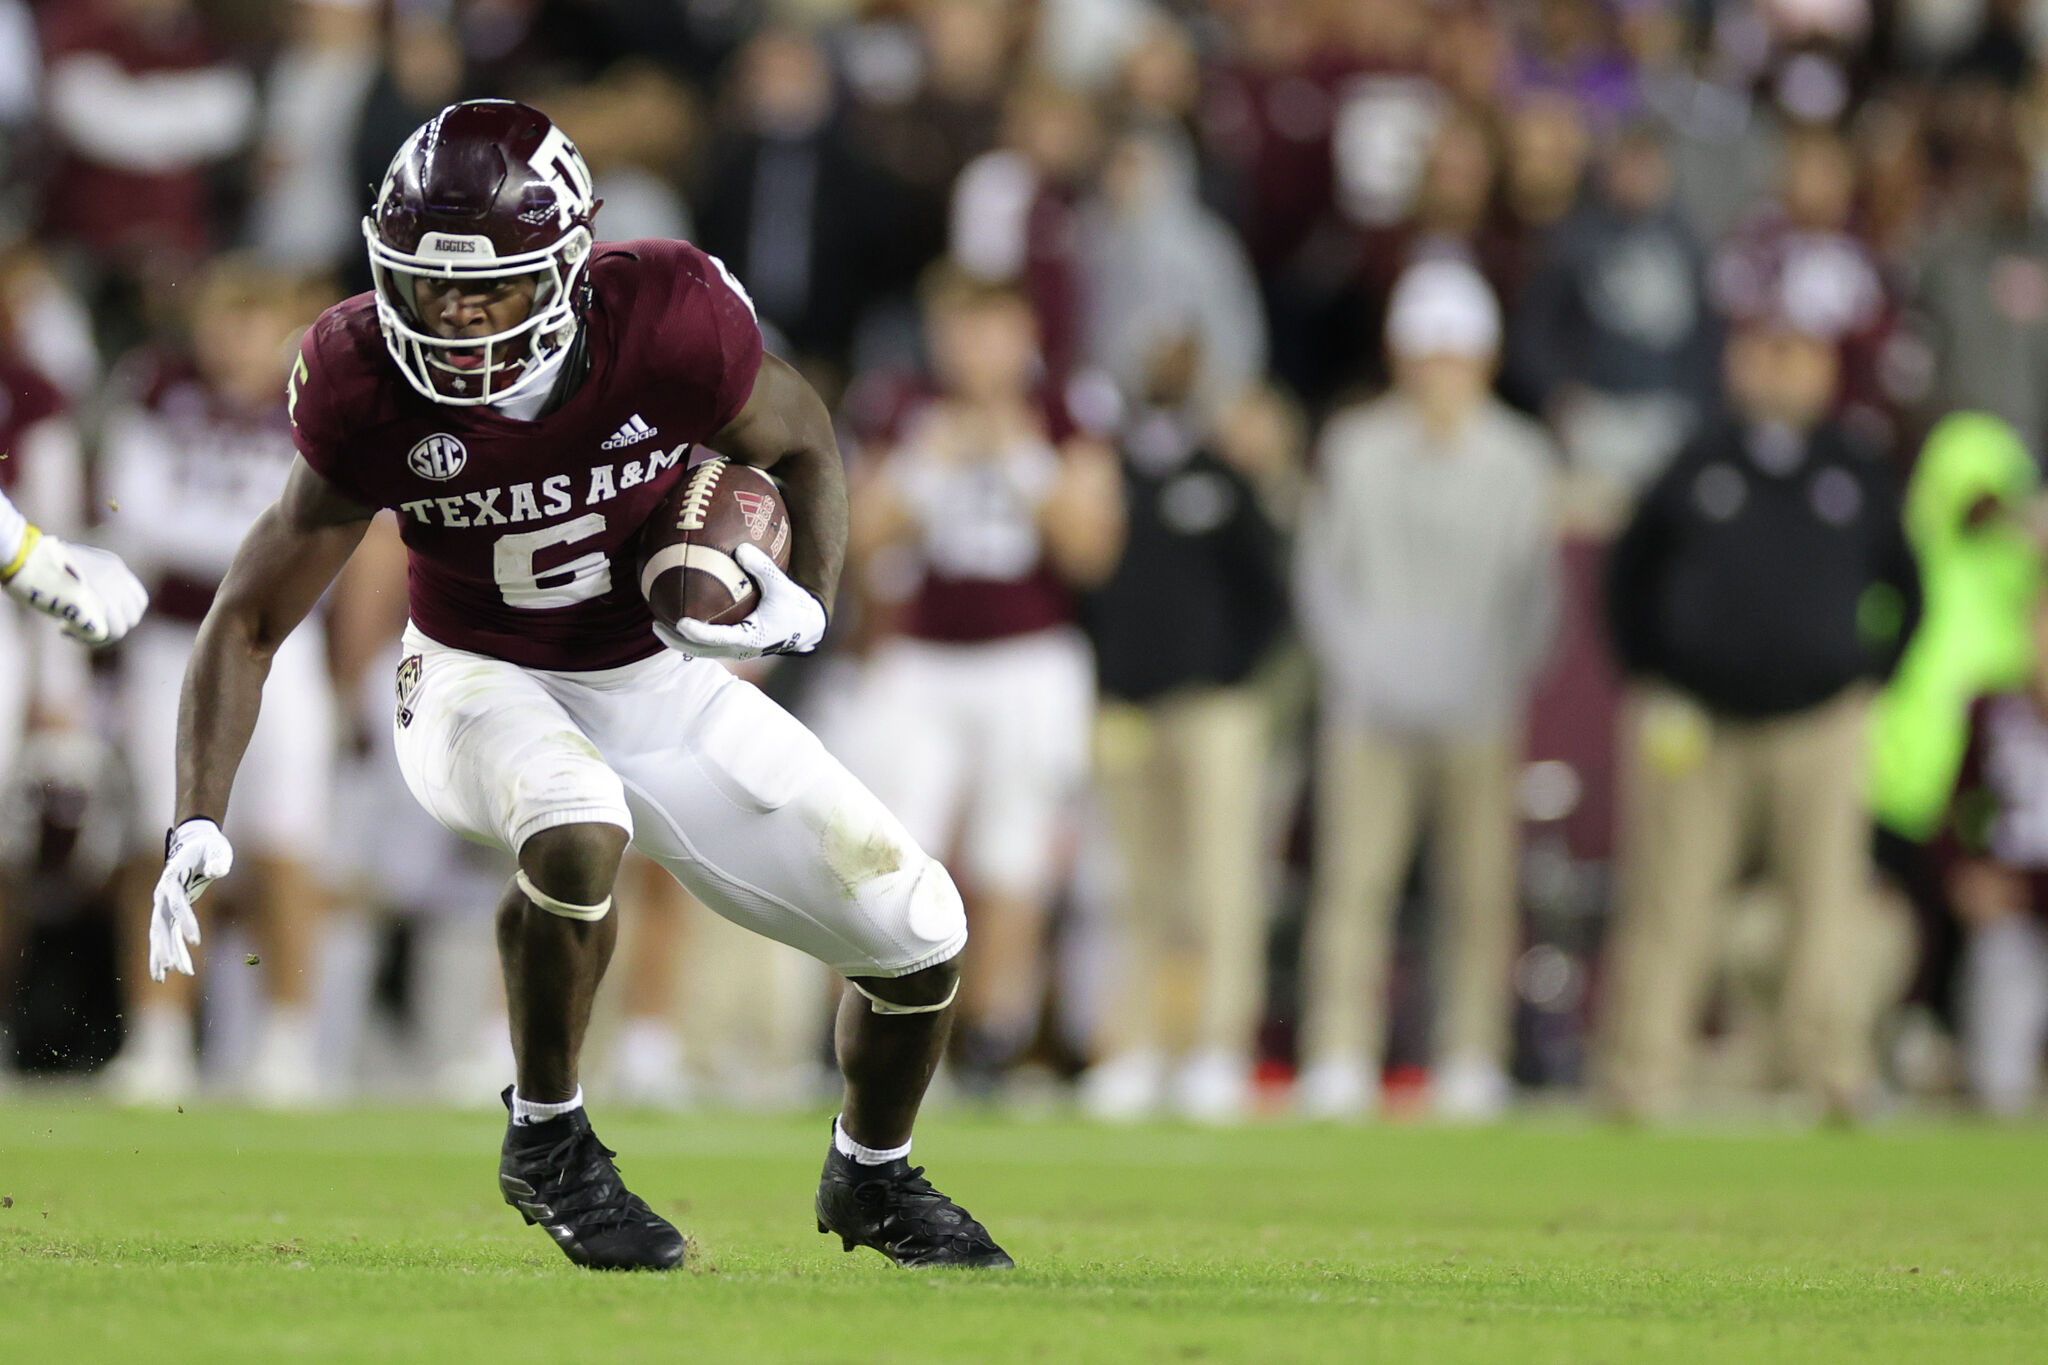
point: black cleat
(557, 1174)
(895, 1210)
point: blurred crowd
(1406, 552)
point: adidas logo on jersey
(635, 431)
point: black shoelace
(911, 1199)
(600, 1203)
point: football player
(524, 398)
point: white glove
(787, 619)
(90, 591)
(196, 856)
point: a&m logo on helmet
(439, 457)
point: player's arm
(90, 592)
(287, 560)
(784, 427)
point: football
(686, 562)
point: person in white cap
(1426, 585)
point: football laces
(697, 498)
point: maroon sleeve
(316, 398)
(708, 334)
(739, 344)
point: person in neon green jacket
(1981, 569)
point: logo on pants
(408, 683)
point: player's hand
(89, 591)
(787, 619)
(196, 856)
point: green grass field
(229, 1236)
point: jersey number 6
(565, 585)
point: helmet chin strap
(575, 365)
(540, 396)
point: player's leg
(493, 757)
(888, 1036)
(912, 750)
(555, 939)
(744, 806)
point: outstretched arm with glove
(89, 592)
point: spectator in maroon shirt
(143, 104)
(974, 723)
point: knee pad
(558, 907)
(935, 912)
(904, 922)
(880, 1006)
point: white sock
(866, 1156)
(525, 1111)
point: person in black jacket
(1182, 741)
(1762, 588)
(796, 210)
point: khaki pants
(1695, 790)
(1182, 779)
(1373, 791)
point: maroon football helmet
(485, 191)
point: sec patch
(439, 457)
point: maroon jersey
(26, 398)
(520, 532)
(985, 572)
